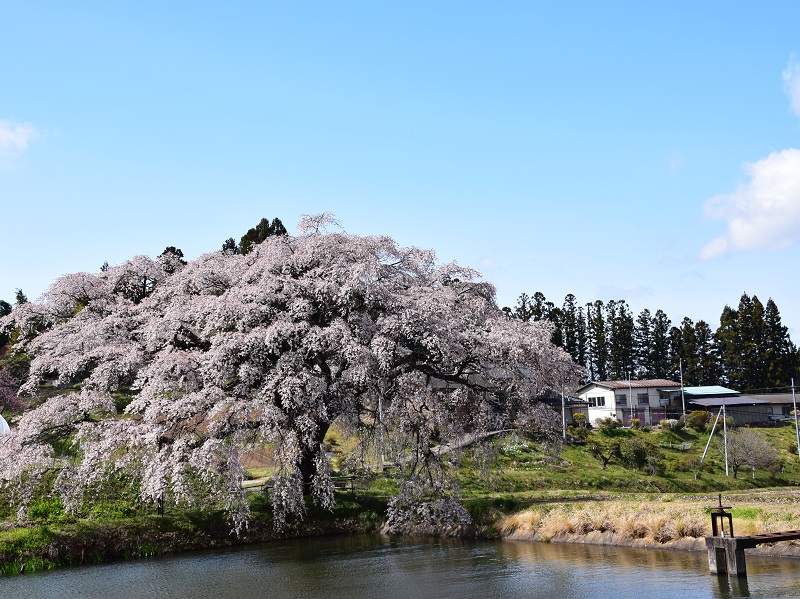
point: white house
(649, 400)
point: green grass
(577, 468)
(522, 474)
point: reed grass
(660, 520)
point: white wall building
(649, 400)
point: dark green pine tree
(259, 233)
(172, 259)
(752, 340)
(538, 308)
(779, 350)
(230, 246)
(524, 309)
(597, 341)
(726, 340)
(569, 326)
(685, 352)
(582, 340)
(620, 334)
(556, 317)
(706, 357)
(660, 357)
(643, 345)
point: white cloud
(14, 140)
(791, 83)
(762, 214)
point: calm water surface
(375, 567)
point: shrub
(636, 423)
(579, 419)
(608, 423)
(638, 452)
(577, 433)
(45, 509)
(698, 420)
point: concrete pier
(726, 554)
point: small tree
(638, 452)
(259, 234)
(747, 447)
(171, 259)
(605, 450)
(230, 246)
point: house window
(642, 399)
(786, 411)
(663, 395)
(597, 402)
(622, 399)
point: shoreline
(106, 543)
(612, 539)
(673, 524)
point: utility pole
(382, 458)
(630, 395)
(725, 435)
(563, 413)
(683, 400)
(796, 429)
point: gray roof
(775, 398)
(741, 400)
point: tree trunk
(308, 467)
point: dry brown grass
(659, 520)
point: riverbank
(657, 521)
(646, 521)
(32, 546)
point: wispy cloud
(791, 83)
(762, 214)
(14, 140)
(675, 161)
(487, 263)
(610, 292)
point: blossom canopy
(167, 372)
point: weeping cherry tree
(162, 373)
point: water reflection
(371, 566)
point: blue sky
(616, 150)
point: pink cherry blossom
(232, 352)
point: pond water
(377, 567)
